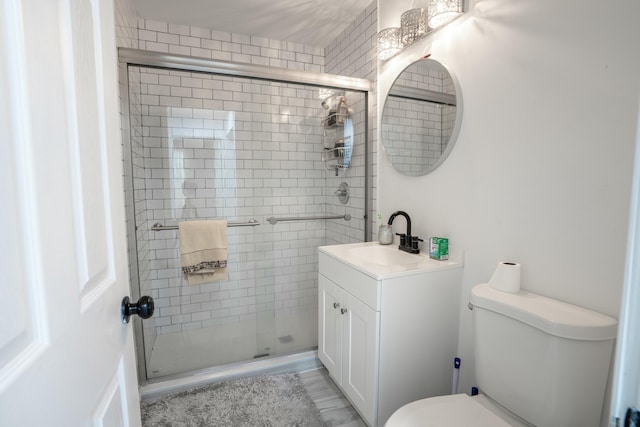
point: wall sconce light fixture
(389, 43)
(415, 24)
(441, 12)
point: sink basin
(385, 261)
(385, 255)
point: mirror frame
(456, 126)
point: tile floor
(335, 409)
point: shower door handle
(143, 308)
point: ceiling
(310, 22)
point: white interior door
(65, 357)
(626, 380)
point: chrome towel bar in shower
(274, 220)
(159, 227)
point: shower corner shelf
(338, 157)
(337, 146)
(336, 153)
(334, 120)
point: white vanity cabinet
(388, 325)
(348, 335)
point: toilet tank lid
(555, 317)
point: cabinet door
(330, 327)
(360, 355)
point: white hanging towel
(203, 251)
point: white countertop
(386, 261)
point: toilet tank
(544, 360)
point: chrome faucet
(408, 243)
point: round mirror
(421, 117)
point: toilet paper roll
(506, 278)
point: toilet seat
(452, 410)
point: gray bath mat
(266, 401)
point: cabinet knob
(343, 310)
(336, 305)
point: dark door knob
(143, 308)
(632, 418)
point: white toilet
(539, 362)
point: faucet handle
(414, 241)
(403, 238)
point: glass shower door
(207, 146)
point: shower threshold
(298, 362)
(221, 345)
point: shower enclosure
(254, 146)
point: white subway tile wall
(353, 53)
(207, 43)
(126, 24)
(217, 147)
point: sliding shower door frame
(130, 215)
(236, 69)
(135, 57)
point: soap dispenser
(385, 234)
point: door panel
(85, 94)
(88, 169)
(361, 329)
(66, 357)
(109, 410)
(23, 331)
(330, 324)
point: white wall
(541, 173)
